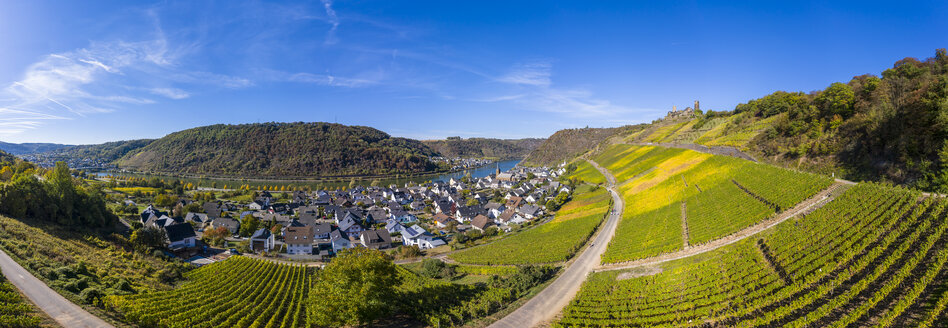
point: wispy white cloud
(333, 20)
(534, 80)
(172, 93)
(330, 80)
(101, 78)
(534, 74)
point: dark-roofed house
(467, 213)
(180, 235)
(261, 241)
(350, 226)
(232, 225)
(376, 239)
(339, 241)
(299, 240)
(213, 209)
(199, 218)
(529, 211)
(481, 222)
(321, 230)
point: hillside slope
(30, 148)
(569, 143)
(6, 158)
(282, 150)
(484, 147)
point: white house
(416, 236)
(299, 240)
(180, 235)
(262, 241)
(339, 241)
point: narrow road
(548, 303)
(56, 306)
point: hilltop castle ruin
(687, 113)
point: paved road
(56, 306)
(548, 303)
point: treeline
(569, 143)
(108, 151)
(282, 150)
(502, 149)
(57, 197)
(893, 127)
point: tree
(276, 229)
(215, 236)
(63, 189)
(837, 99)
(435, 268)
(147, 238)
(248, 225)
(473, 202)
(356, 288)
(165, 200)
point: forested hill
(484, 148)
(6, 158)
(108, 151)
(893, 127)
(569, 143)
(282, 150)
(30, 148)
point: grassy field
(587, 173)
(555, 241)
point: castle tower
(674, 108)
(696, 106)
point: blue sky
(95, 71)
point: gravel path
(56, 306)
(548, 303)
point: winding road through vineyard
(548, 303)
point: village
(313, 226)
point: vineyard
(15, 312)
(238, 292)
(554, 241)
(721, 195)
(585, 172)
(875, 256)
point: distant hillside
(30, 148)
(484, 148)
(108, 151)
(567, 144)
(282, 150)
(6, 158)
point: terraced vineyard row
(875, 256)
(722, 210)
(554, 241)
(238, 292)
(708, 185)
